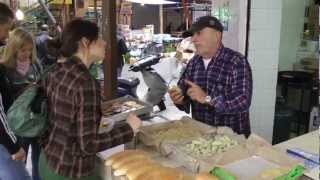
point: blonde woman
(19, 59)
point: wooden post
(95, 10)
(110, 62)
(161, 18)
(75, 7)
(186, 13)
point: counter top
(308, 142)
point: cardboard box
(253, 146)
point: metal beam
(110, 62)
(51, 17)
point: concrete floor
(168, 70)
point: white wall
(291, 31)
(264, 42)
(234, 36)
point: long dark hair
(5, 13)
(67, 43)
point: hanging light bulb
(19, 15)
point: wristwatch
(207, 99)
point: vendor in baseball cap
(206, 21)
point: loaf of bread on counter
(137, 165)
(133, 174)
(123, 154)
(120, 162)
(206, 176)
(122, 170)
(161, 173)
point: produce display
(137, 165)
(209, 146)
(121, 107)
(157, 135)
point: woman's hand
(20, 155)
(134, 122)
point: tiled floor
(167, 69)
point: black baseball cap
(206, 21)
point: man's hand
(176, 95)
(195, 92)
(20, 155)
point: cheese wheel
(133, 174)
(120, 155)
(132, 165)
(206, 176)
(130, 158)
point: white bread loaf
(132, 165)
(120, 155)
(133, 174)
(206, 176)
(161, 173)
(130, 158)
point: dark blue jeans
(25, 143)
(10, 169)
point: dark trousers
(25, 143)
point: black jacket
(122, 50)
(7, 138)
(5, 89)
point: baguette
(206, 176)
(120, 155)
(133, 174)
(132, 165)
(130, 158)
(162, 173)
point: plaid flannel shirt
(72, 140)
(228, 81)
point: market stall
(187, 147)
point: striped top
(7, 137)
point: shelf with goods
(308, 51)
(62, 12)
(311, 27)
(124, 11)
